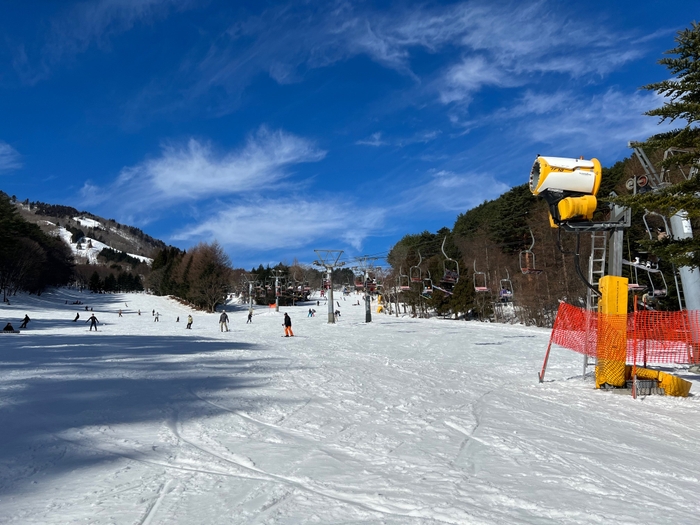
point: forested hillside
(496, 245)
(30, 260)
(82, 223)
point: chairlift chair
(656, 292)
(414, 272)
(480, 281)
(450, 268)
(527, 259)
(359, 282)
(404, 282)
(372, 285)
(506, 293)
(427, 286)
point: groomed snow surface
(399, 421)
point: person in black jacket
(25, 321)
(288, 326)
(93, 322)
(223, 321)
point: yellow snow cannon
(568, 185)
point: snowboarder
(77, 316)
(25, 321)
(287, 326)
(189, 322)
(93, 322)
(223, 321)
(250, 317)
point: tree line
(202, 276)
(30, 260)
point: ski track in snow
(400, 421)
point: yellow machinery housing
(568, 185)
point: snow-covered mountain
(87, 234)
(88, 247)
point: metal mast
(365, 264)
(329, 260)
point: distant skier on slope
(25, 321)
(93, 322)
(223, 321)
(189, 322)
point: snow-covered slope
(399, 421)
(88, 247)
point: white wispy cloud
(92, 23)
(476, 44)
(473, 73)
(600, 123)
(10, 158)
(449, 191)
(375, 139)
(420, 137)
(194, 171)
(269, 224)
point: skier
(287, 326)
(156, 316)
(223, 321)
(93, 322)
(311, 313)
(250, 317)
(120, 312)
(189, 322)
(25, 321)
(77, 316)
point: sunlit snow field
(399, 421)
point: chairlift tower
(250, 279)
(680, 227)
(328, 259)
(365, 264)
(277, 274)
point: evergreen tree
(682, 94)
(95, 284)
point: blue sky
(278, 128)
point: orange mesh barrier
(652, 337)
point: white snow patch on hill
(90, 248)
(88, 223)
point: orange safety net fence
(652, 337)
